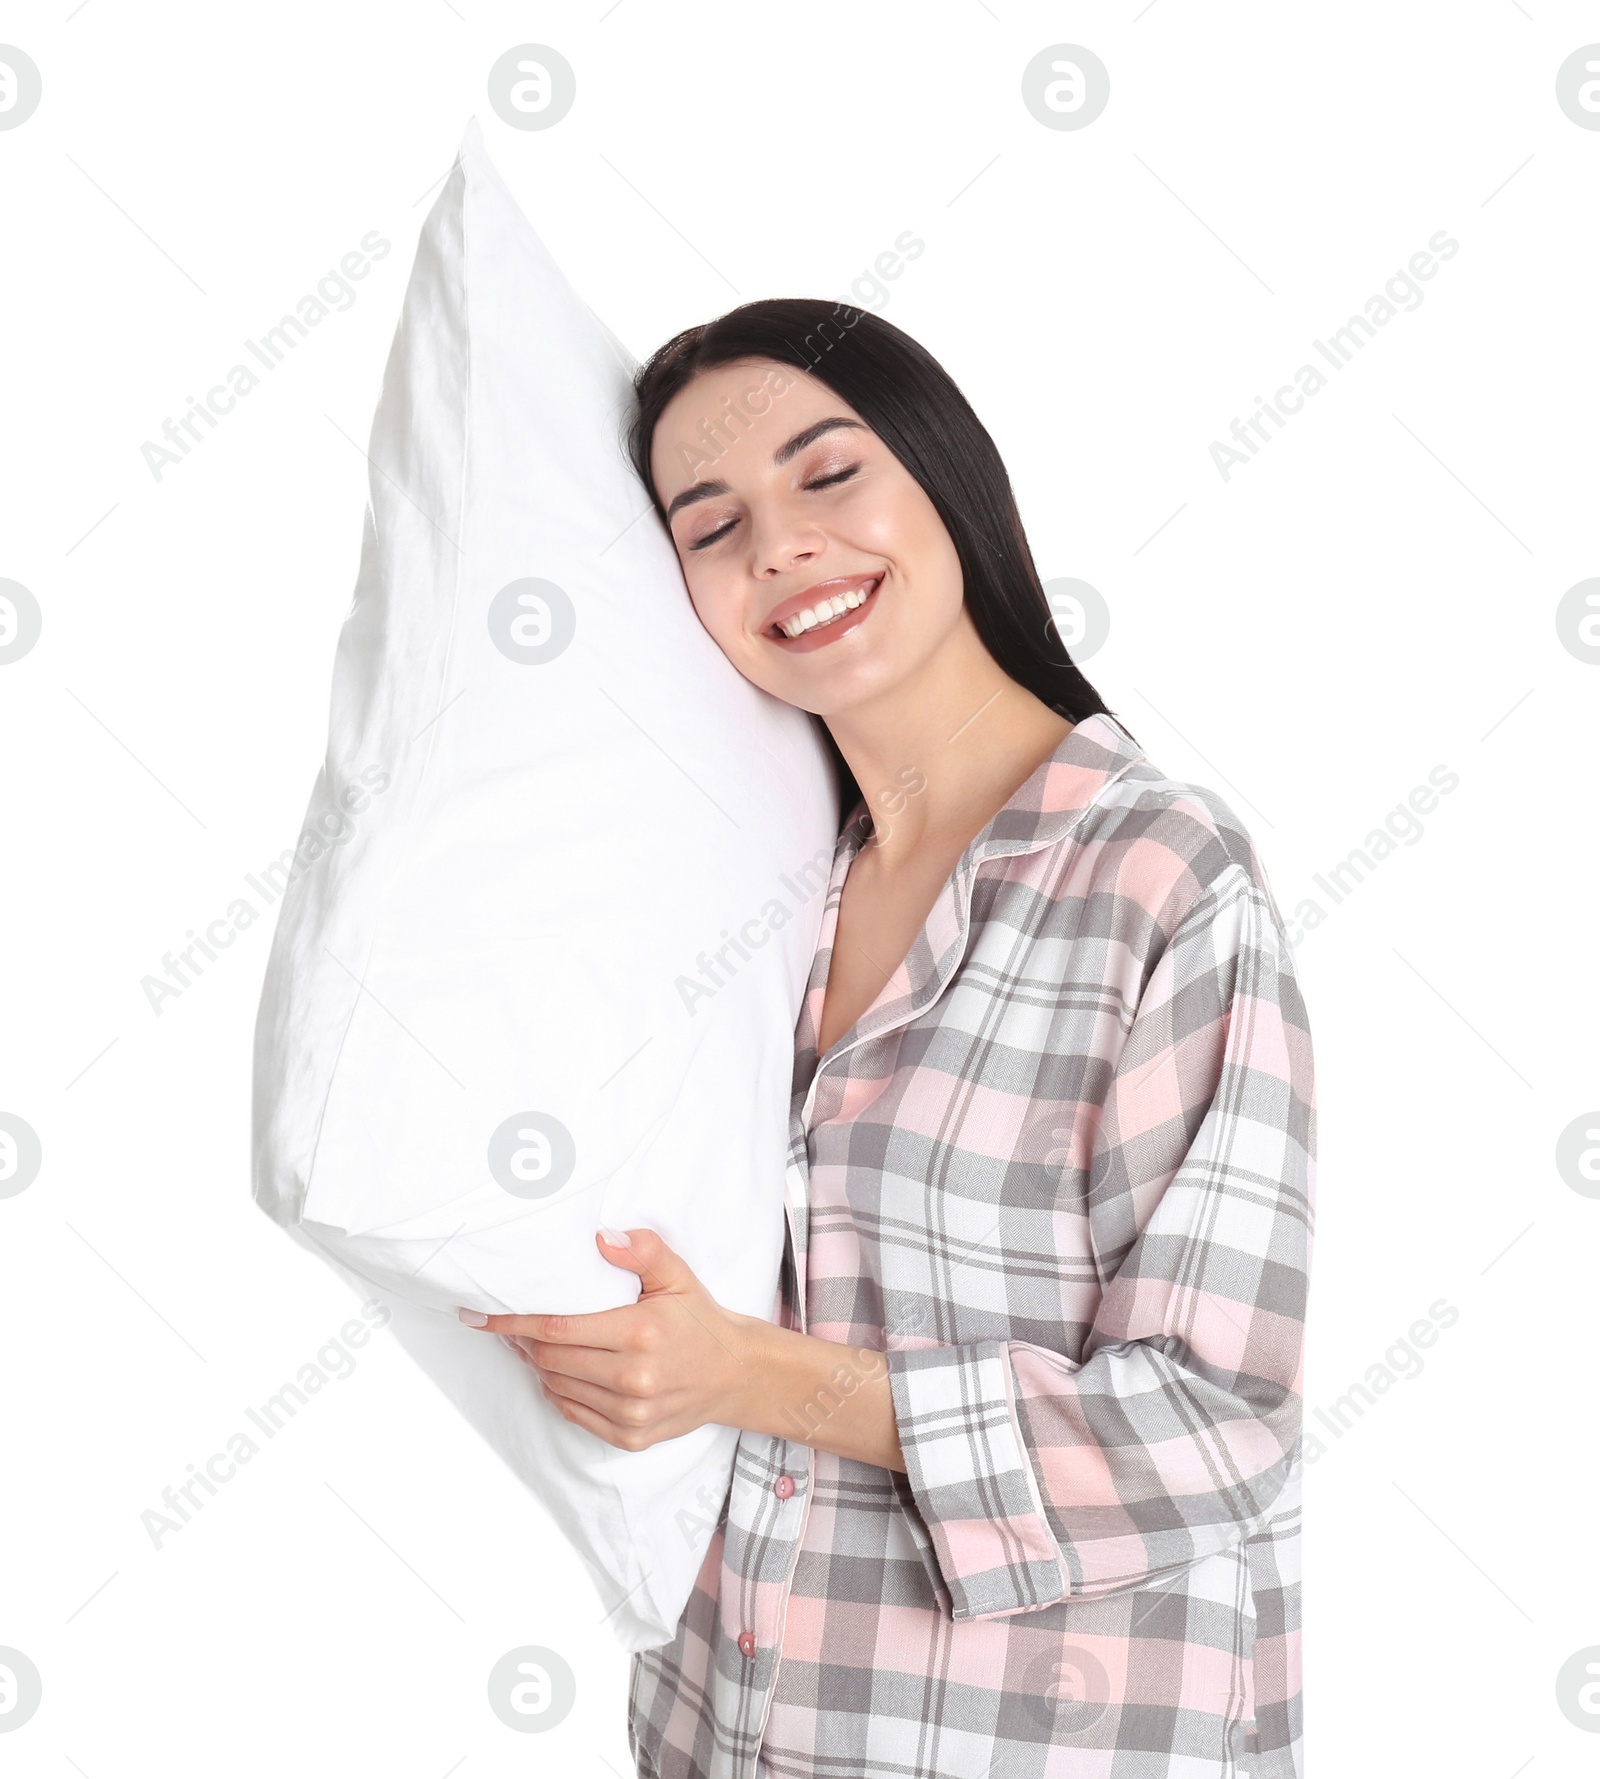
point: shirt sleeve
(1037, 1478)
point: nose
(782, 541)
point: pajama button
(783, 1488)
(747, 1643)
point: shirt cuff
(972, 1480)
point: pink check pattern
(1059, 1179)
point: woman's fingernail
(618, 1238)
(473, 1318)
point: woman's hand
(676, 1359)
(650, 1370)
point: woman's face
(781, 500)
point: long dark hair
(913, 404)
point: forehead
(731, 419)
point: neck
(939, 755)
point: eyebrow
(789, 449)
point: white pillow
(542, 970)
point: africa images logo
(1402, 292)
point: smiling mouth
(824, 612)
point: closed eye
(842, 475)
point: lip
(798, 602)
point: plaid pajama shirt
(1059, 1177)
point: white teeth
(824, 612)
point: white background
(1372, 596)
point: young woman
(1018, 1492)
